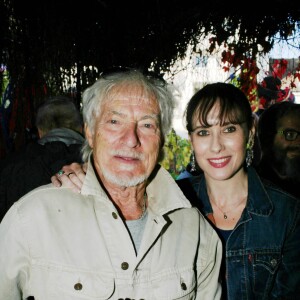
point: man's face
(287, 153)
(127, 138)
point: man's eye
(230, 129)
(290, 133)
(147, 125)
(113, 121)
(150, 127)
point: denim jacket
(263, 250)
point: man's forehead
(131, 100)
(290, 120)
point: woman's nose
(216, 143)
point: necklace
(225, 213)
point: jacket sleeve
(287, 285)
(209, 286)
(13, 258)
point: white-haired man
(130, 233)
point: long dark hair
(234, 105)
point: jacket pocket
(265, 266)
(80, 285)
(174, 284)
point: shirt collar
(163, 193)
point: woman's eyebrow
(201, 127)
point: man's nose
(130, 136)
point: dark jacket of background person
(60, 125)
(266, 239)
(276, 164)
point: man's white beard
(124, 181)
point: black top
(33, 167)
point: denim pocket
(265, 265)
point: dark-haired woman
(259, 224)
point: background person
(130, 233)
(279, 137)
(59, 125)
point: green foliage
(177, 152)
(4, 83)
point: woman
(258, 223)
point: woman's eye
(202, 132)
(230, 129)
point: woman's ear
(88, 135)
(252, 132)
(191, 142)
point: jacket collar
(163, 193)
(258, 201)
(65, 135)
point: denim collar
(258, 202)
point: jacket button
(78, 286)
(124, 265)
(183, 286)
(273, 262)
(115, 216)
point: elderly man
(130, 233)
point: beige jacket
(58, 245)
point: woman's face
(219, 150)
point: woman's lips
(219, 162)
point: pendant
(225, 216)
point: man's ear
(88, 135)
(40, 133)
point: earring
(193, 163)
(249, 152)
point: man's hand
(71, 176)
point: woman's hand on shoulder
(71, 176)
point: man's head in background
(58, 112)
(279, 136)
